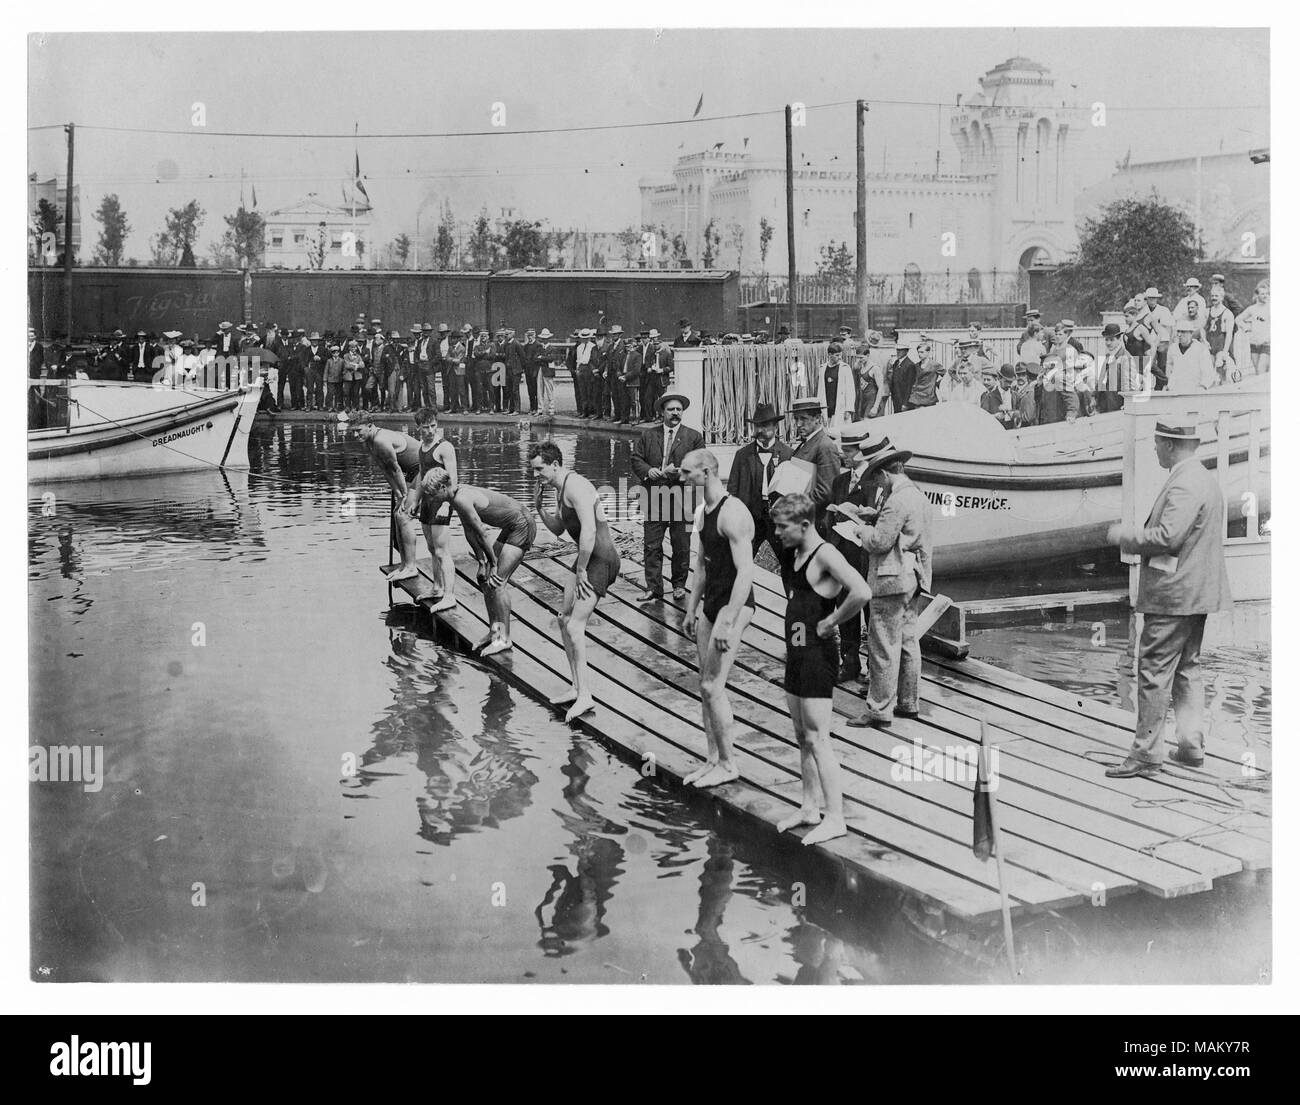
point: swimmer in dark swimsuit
(581, 516)
(477, 508)
(398, 456)
(719, 608)
(814, 574)
(435, 453)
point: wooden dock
(1069, 834)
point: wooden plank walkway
(1069, 833)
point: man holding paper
(1184, 578)
(856, 497)
(815, 458)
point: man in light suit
(656, 460)
(815, 451)
(752, 469)
(1184, 578)
(899, 549)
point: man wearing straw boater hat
(898, 547)
(656, 460)
(1183, 579)
(752, 469)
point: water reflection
(710, 963)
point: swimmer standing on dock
(435, 454)
(719, 608)
(580, 515)
(814, 575)
(398, 456)
(478, 507)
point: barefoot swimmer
(719, 607)
(478, 507)
(814, 575)
(580, 514)
(435, 453)
(398, 457)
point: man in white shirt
(1161, 321)
(1190, 366)
(1192, 295)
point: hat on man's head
(1006, 372)
(1178, 433)
(1034, 313)
(884, 453)
(1191, 282)
(1031, 370)
(782, 329)
(116, 333)
(314, 336)
(853, 437)
(809, 405)
(667, 395)
(683, 322)
(586, 332)
(443, 328)
(141, 333)
(394, 333)
(173, 334)
(1066, 324)
(874, 338)
(223, 326)
(1218, 278)
(763, 414)
(1111, 330)
(1151, 293)
(835, 348)
(545, 335)
(417, 329)
(1185, 326)
(615, 329)
(653, 333)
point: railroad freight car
(192, 301)
(333, 299)
(637, 299)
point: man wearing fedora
(657, 371)
(616, 374)
(815, 453)
(685, 335)
(1183, 579)
(633, 365)
(751, 472)
(656, 459)
(898, 547)
(902, 375)
(857, 495)
(316, 357)
(547, 361)
(535, 358)
(1112, 370)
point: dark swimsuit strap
(800, 568)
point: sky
(1168, 93)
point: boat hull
(133, 430)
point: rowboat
(91, 429)
(1007, 497)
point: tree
(175, 244)
(444, 245)
(481, 245)
(711, 241)
(835, 263)
(736, 241)
(317, 244)
(629, 240)
(1132, 243)
(46, 219)
(679, 249)
(401, 249)
(113, 231)
(244, 241)
(765, 231)
(523, 244)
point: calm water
(480, 839)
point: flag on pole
(241, 189)
(254, 197)
(698, 106)
(982, 838)
(357, 175)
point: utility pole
(863, 320)
(67, 238)
(791, 293)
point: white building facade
(296, 234)
(1011, 202)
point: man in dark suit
(631, 381)
(831, 377)
(645, 351)
(752, 469)
(1184, 578)
(685, 335)
(902, 375)
(656, 460)
(815, 452)
(615, 363)
(857, 495)
(600, 374)
(140, 357)
(513, 355)
(35, 355)
(655, 371)
(535, 359)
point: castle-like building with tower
(1011, 202)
